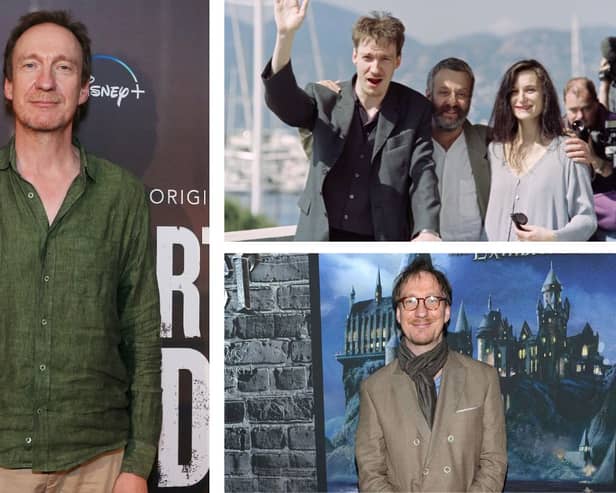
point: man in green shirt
(79, 313)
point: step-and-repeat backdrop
(148, 112)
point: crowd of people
(388, 163)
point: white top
(460, 219)
(555, 193)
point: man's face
(451, 98)
(375, 63)
(580, 106)
(422, 327)
(45, 89)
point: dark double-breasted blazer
(466, 448)
(403, 191)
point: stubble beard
(447, 125)
(34, 122)
(424, 337)
(422, 345)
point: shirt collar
(5, 155)
(353, 82)
(363, 114)
(8, 158)
(459, 140)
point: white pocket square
(466, 409)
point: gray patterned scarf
(422, 369)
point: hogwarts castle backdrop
(558, 383)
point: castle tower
(378, 292)
(485, 335)
(527, 352)
(351, 298)
(495, 343)
(370, 326)
(460, 338)
(462, 324)
(552, 320)
(551, 289)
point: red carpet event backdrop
(148, 112)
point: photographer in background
(607, 74)
(585, 122)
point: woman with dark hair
(532, 177)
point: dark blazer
(466, 450)
(403, 185)
(477, 144)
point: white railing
(279, 233)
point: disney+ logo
(120, 80)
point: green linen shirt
(79, 322)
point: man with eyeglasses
(432, 420)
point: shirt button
(44, 321)
(46, 278)
(361, 156)
(517, 197)
(345, 217)
(39, 410)
(351, 196)
(416, 442)
(30, 195)
(28, 440)
(450, 438)
(356, 175)
(42, 367)
(426, 471)
(446, 469)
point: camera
(608, 50)
(603, 141)
(609, 140)
(609, 73)
(580, 130)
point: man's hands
(127, 482)
(426, 236)
(534, 233)
(604, 85)
(330, 84)
(604, 69)
(582, 152)
(289, 15)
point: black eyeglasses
(430, 302)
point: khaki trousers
(98, 475)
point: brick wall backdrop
(269, 402)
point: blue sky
(434, 22)
(513, 282)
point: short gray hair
(455, 64)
